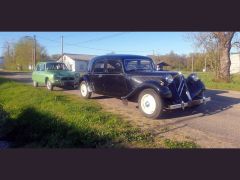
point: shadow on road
(218, 104)
(101, 97)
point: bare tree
(220, 42)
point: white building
(76, 62)
(235, 63)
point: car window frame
(36, 68)
(104, 66)
(117, 73)
(137, 59)
(44, 66)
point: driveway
(214, 125)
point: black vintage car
(135, 78)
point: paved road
(214, 125)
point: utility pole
(62, 47)
(35, 51)
(205, 65)
(179, 64)
(8, 48)
(192, 63)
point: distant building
(76, 62)
(161, 65)
(235, 63)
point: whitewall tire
(150, 103)
(84, 90)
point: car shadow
(217, 104)
(35, 129)
(97, 96)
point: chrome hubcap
(84, 90)
(148, 104)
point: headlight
(169, 78)
(194, 77)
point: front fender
(195, 87)
(163, 91)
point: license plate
(68, 83)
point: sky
(99, 43)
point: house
(76, 62)
(161, 65)
(235, 63)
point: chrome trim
(204, 100)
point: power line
(56, 41)
(95, 39)
(99, 49)
(102, 38)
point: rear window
(138, 64)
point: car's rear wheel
(49, 85)
(84, 92)
(35, 84)
(150, 103)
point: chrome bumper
(189, 104)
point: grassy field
(208, 79)
(34, 117)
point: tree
(20, 54)
(220, 42)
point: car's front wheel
(84, 92)
(35, 84)
(49, 85)
(150, 103)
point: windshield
(138, 64)
(56, 66)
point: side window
(42, 67)
(37, 68)
(98, 67)
(114, 66)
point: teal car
(54, 74)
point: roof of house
(163, 64)
(80, 57)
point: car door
(42, 73)
(97, 76)
(37, 73)
(114, 80)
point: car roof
(121, 56)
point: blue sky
(98, 43)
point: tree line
(196, 62)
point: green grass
(180, 145)
(33, 117)
(210, 82)
(36, 118)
